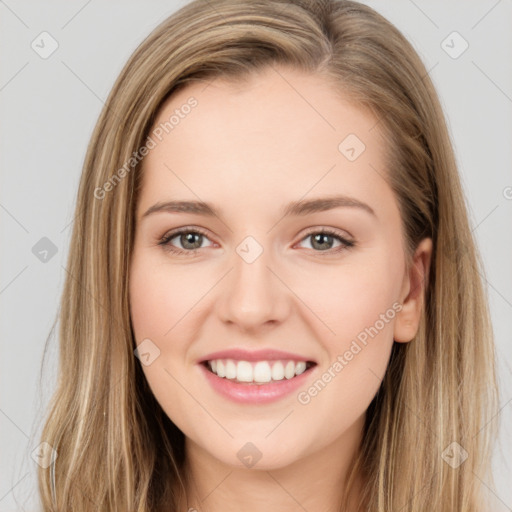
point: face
(271, 270)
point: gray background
(49, 107)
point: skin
(250, 149)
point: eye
(322, 240)
(190, 240)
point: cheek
(161, 309)
(146, 306)
(359, 306)
(160, 297)
(352, 297)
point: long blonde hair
(116, 448)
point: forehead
(269, 99)
(279, 129)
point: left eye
(322, 238)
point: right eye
(190, 240)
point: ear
(412, 293)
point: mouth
(257, 372)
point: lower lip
(255, 393)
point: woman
(258, 367)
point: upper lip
(241, 354)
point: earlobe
(413, 292)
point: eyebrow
(295, 208)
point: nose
(253, 295)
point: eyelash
(165, 241)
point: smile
(247, 382)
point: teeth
(221, 369)
(300, 367)
(230, 369)
(244, 372)
(277, 371)
(257, 372)
(289, 369)
(262, 372)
